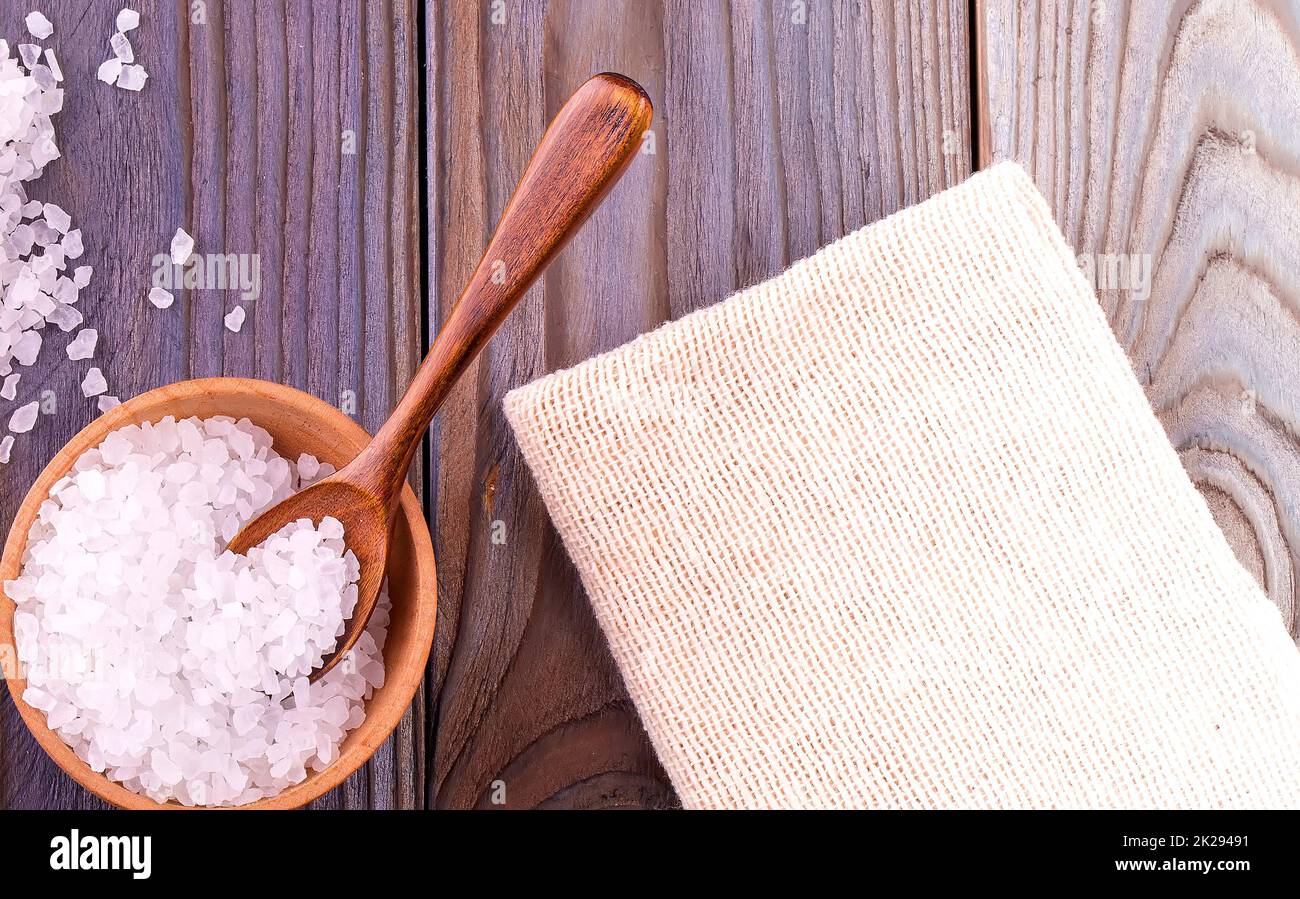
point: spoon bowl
(361, 514)
(298, 423)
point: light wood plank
(1170, 133)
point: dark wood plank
(239, 136)
(1166, 134)
(773, 135)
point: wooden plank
(779, 126)
(1169, 135)
(281, 129)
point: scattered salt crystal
(6, 445)
(210, 704)
(108, 70)
(23, 419)
(235, 319)
(127, 19)
(160, 297)
(121, 46)
(132, 78)
(53, 62)
(65, 318)
(107, 402)
(81, 277)
(56, 218)
(38, 25)
(83, 345)
(10, 388)
(27, 348)
(182, 247)
(43, 151)
(29, 54)
(93, 384)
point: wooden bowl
(299, 423)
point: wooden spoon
(581, 155)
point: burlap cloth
(898, 528)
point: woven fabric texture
(898, 528)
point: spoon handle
(582, 154)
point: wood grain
(778, 127)
(1171, 132)
(240, 137)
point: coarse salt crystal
(160, 297)
(121, 47)
(58, 219)
(65, 318)
(38, 25)
(27, 348)
(10, 388)
(182, 247)
(6, 444)
(308, 465)
(235, 319)
(72, 246)
(109, 70)
(127, 19)
(107, 402)
(132, 78)
(83, 345)
(24, 418)
(94, 383)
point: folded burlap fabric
(898, 528)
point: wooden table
(364, 150)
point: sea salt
(127, 19)
(160, 297)
(83, 345)
(6, 445)
(132, 78)
(121, 47)
(38, 25)
(170, 665)
(93, 384)
(27, 348)
(56, 218)
(108, 70)
(36, 239)
(182, 247)
(107, 402)
(235, 319)
(24, 418)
